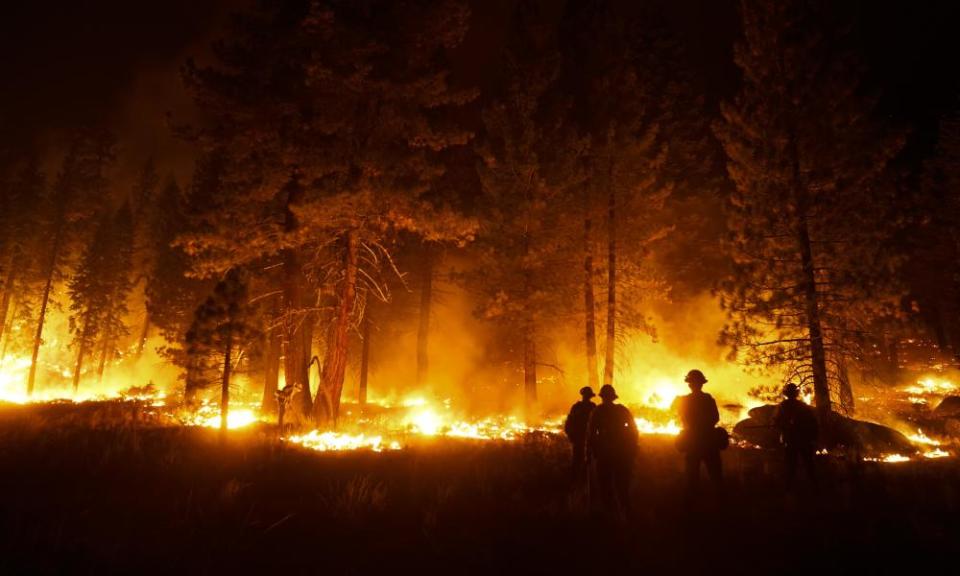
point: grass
(87, 493)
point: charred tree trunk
(79, 365)
(423, 330)
(338, 337)
(818, 356)
(529, 342)
(5, 299)
(144, 333)
(225, 384)
(611, 284)
(271, 373)
(44, 301)
(589, 302)
(529, 367)
(298, 333)
(365, 358)
(104, 353)
(12, 312)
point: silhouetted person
(612, 445)
(797, 423)
(699, 441)
(575, 427)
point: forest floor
(98, 497)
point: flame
(936, 453)
(645, 426)
(921, 438)
(235, 419)
(930, 386)
(334, 441)
(426, 421)
(889, 458)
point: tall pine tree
(99, 289)
(77, 193)
(331, 135)
(808, 220)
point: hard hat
(791, 390)
(695, 377)
(608, 393)
(587, 392)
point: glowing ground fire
(411, 416)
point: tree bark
(589, 302)
(338, 337)
(104, 352)
(79, 365)
(12, 313)
(365, 357)
(529, 367)
(611, 283)
(298, 334)
(5, 300)
(225, 384)
(423, 330)
(818, 356)
(38, 337)
(144, 333)
(271, 373)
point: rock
(948, 407)
(754, 432)
(763, 415)
(871, 437)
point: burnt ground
(99, 495)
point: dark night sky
(117, 60)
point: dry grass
(83, 495)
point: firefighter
(699, 439)
(797, 424)
(612, 446)
(575, 427)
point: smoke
(471, 371)
(650, 371)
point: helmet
(587, 392)
(696, 378)
(608, 393)
(791, 390)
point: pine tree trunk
(529, 341)
(44, 301)
(529, 368)
(298, 333)
(818, 356)
(144, 333)
(338, 338)
(12, 313)
(365, 357)
(5, 299)
(271, 373)
(79, 365)
(611, 284)
(589, 302)
(423, 330)
(104, 352)
(225, 384)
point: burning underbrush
(418, 421)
